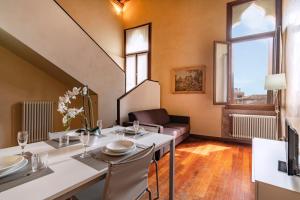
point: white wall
(45, 28)
(291, 28)
(100, 19)
(144, 97)
(291, 64)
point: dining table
(69, 175)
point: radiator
(250, 126)
(37, 119)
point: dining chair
(125, 180)
(155, 129)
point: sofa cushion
(172, 131)
(155, 116)
(183, 128)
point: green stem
(67, 125)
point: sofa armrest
(179, 119)
(151, 127)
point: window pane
(142, 67)
(251, 62)
(221, 58)
(253, 17)
(137, 39)
(130, 73)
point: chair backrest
(153, 129)
(128, 179)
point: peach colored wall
(99, 19)
(21, 81)
(182, 36)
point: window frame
(136, 54)
(276, 49)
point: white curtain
(130, 72)
(142, 67)
(137, 39)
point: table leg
(172, 170)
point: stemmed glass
(99, 124)
(120, 133)
(136, 125)
(85, 138)
(22, 139)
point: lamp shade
(275, 82)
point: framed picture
(188, 80)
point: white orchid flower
(69, 93)
(61, 99)
(61, 109)
(76, 91)
(67, 99)
(84, 90)
(65, 120)
(80, 110)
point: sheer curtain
(137, 55)
(137, 39)
(130, 72)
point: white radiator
(250, 126)
(37, 119)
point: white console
(269, 182)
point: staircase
(144, 96)
(47, 30)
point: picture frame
(188, 80)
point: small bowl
(120, 146)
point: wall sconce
(118, 5)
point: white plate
(111, 153)
(120, 146)
(131, 131)
(14, 169)
(8, 162)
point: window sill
(265, 107)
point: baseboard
(221, 139)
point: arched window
(251, 33)
(252, 19)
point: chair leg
(149, 192)
(157, 181)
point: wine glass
(136, 126)
(22, 140)
(85, 138)
(99, 124)
(120, 133)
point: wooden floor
(207, 170)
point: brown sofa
(178, 126)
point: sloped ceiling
(20, 49)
